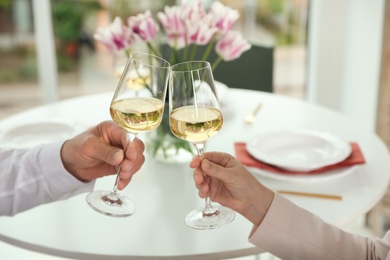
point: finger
(203, 189)
(132, 163)
(195, 163)
(132, 166)
(135, 150)
(128, 169)
(108, 153)
(214, 170)
(114, 134)
(203, 193)
(123, 183)
(218, 158)
(198, 176)
(200, 183)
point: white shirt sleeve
(32, 177)
(291, 232)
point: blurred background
(83, 66)
(332, 52)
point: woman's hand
(229, 183)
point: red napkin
(246, 159)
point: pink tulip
(231, 45)
(223, 17)
(143, 26)
(197, 26)
(183, 25)
(193, 11)
(116, 37)
(199, 31)
(174, 26)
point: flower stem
(185, 53)
(216, 62)
(152, 49)
(127, 52)
(193, 52)
(208, 49)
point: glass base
(198, 220)
(101, 202)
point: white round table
(165, 193)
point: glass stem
(115, 188)
(208, 209)
(113, 195)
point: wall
(344, 43)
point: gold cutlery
(251, 117)
(309, 194)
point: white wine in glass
(136, 110)
(195, 116)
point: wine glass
(195, 116)
(136, 110)
(119, 63)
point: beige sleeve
(291, 232)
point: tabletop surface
(165, 193)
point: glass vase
(164, 147)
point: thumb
(214, 170)
(109, 154)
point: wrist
(259, 206)
(67, 162)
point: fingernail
(116, 155)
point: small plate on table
(299, 150)
(32, 134)
(302, 177)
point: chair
(253, 70)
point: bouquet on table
(186, 27)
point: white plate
(32, 134)
(299, 150)
(334, 174)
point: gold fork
(309, 194)
(251, 117)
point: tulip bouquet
(185, 28)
